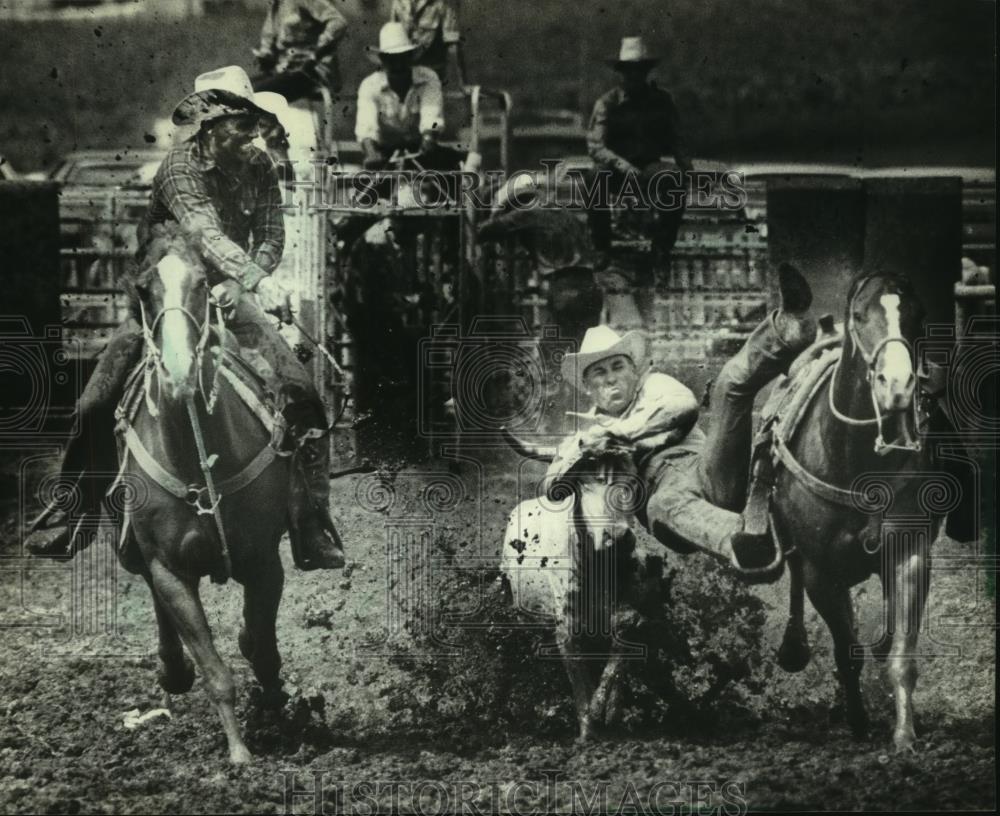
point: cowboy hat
(222, 92)
(393, 39)
(600, 343)
(275, 107)
(633, 51)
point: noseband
(871, 358)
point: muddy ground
(369, 724)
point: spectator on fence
(433, 26)
(298, 48)
(401, 109)
(632, 127)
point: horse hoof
(273, 699)
(859, 726)
(794, 653)
(176, 679)
(905, 743)
(240, 755)
(881, 648)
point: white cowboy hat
(634, 51)
(393, 39)
(222, 92)
(600, 343)
(274, 104)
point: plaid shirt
(237, 222)
(423, 19)
(394, 122)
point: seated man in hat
(696, 483)
(401, 108)
(631, 129)
(433, 27)
(298, 47)
(222, 193)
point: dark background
(871, 82)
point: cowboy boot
(90, 458)
(314, 539)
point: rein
(871, 358)
(205, 499)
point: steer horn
(543, 453)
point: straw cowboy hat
(600, 343)
(222, 92)
(393, 39)
(634, 51)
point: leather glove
(227, 293)
(274, 298)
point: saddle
(780, 420)
(252, 389)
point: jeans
(696, 497)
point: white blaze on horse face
(178, 350)
(894, 379)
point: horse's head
(173, 296)
(884, 319)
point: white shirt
(389, 120)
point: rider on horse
(223, 193)
(695, 482)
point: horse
(219, 513)
(837, 475)
(572, 560)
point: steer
(572, 560)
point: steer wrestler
(696, 483)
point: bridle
(204, 499)
(871, 358)
(154, 365)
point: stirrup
(756, 573)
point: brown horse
(200, 441)
(846, 497)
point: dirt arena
(362, 718)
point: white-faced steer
(572, 561)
